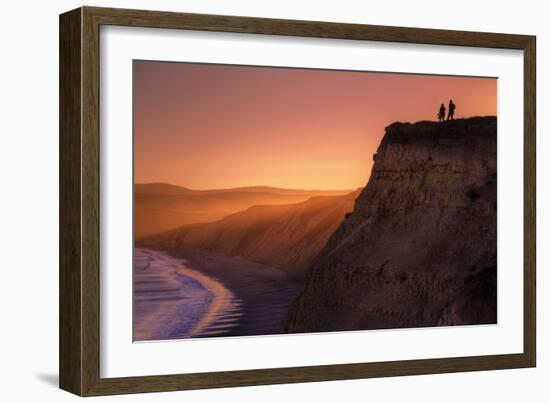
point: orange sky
(207, 126)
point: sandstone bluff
(419, 248)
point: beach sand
(191, 293)
(264, 293)
(172, 301)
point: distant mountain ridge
(160, 207)
(287, 236)
(167, 188)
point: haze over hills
(160, 207)
(167, 188)
(287, 236)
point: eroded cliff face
(419, 248)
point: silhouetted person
(441, 114)
(452, 108)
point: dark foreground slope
(419, 248)
(285, 236)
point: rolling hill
(160, 207)
(287, 236)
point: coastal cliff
(419, 248)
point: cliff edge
(419, 248)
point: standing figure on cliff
(452, 107)
(441, 114)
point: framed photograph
(249, 201)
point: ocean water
(172, 301)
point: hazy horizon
(206, 126)
(245, 186)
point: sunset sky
(208, 126)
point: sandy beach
(173, 301)
(191, 293)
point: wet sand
(265, 293)
(172, 301)
(214, 296)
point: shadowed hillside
(419, 248)
(161, 207)
(287, 236)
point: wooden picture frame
(79, 280)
